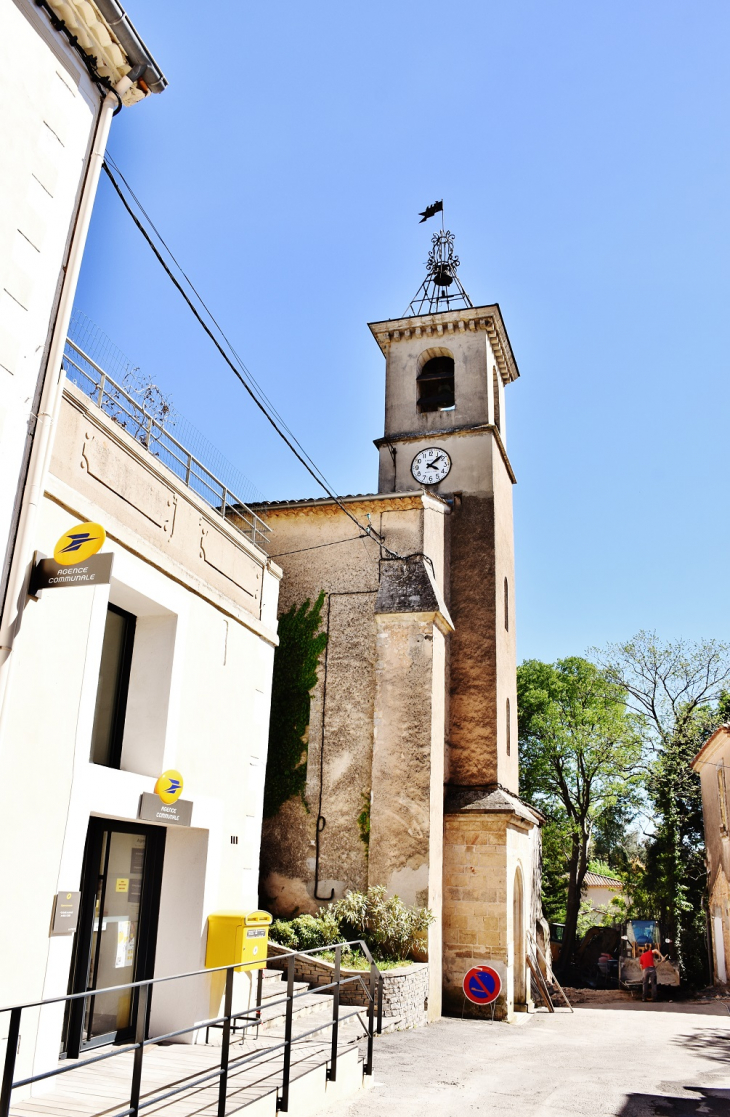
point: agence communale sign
(76, 561)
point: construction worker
(648, 970)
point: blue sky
(582, 152)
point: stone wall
(405, 990)
(488, 863)
(320, 551)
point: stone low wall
(405, 990)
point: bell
(442, 277)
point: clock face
(431, 466)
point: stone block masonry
(405, 990)
(489, 847)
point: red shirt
(647, 960)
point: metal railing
(150, 432)
(240, 1020)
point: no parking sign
(482, 985)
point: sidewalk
(603, 1061)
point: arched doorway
(518, 940)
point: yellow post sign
(169, 786)
(78, 544)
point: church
(412, 760)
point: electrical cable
(115, 167)
(302, 456)
(318, 546)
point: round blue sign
(482, 985)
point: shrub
(283, 933)
(308, 932)
(390, 928)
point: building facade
(412, 776)
(600, 892)
(712, 763)
(166, 668)
(66, 67)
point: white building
(712, 764)
(57, 104)
(166, 668)
(600, 892)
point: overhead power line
(241, 373)
(246, 371)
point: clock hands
(439, 466)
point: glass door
(117, 929)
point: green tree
(579, 758)
(677, 689)
(295, 674)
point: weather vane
(434, 294)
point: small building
(712, 763)
(599, 891)
(412, 775)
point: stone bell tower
(411, 751)
(447, 366)
(445, 431)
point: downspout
(132, 45)
(50, 402)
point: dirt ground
(614, 1057)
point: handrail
(192, 973)
(221, 499)
(228, 1067)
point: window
(509, 729)
(722, 795)
(111, 694)
(435, 384)
(506, 605)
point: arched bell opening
(435, 383)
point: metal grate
(152, 432)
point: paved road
(627, 1061)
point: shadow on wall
(709, 1103)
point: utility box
(238, 936)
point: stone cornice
(472, 319)
(361, 503)
(478, 428)
(490, 799)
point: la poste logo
(169, 786)
(78, 544)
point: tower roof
(441, 289)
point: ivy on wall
(363, 822)
(295, 674)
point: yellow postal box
(238, 936)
